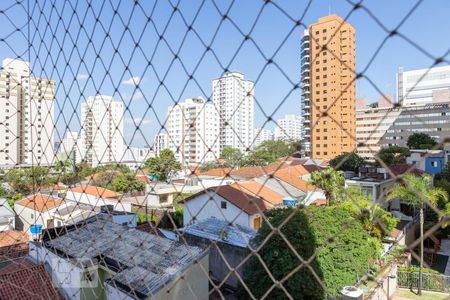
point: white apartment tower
(262, 135)
(289, 128)
(193, 130)
(102, 130)
(72, 146)
(160, 143)
(233, 97)
(424, 86)
(26, 116)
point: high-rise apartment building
(160, 142)
(102, 130)
(193, 131)
(424, 86)
(72, 146)
(233, 97)
(262, 135)
(383, 127)
(289, 128)
(26, 116)
(328, 87)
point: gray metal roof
(150, 261)
(220, 230)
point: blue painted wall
(438, 162)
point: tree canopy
(331, 182)
(420, 140)
(164, 166)
(233, 156)
(344, 256)
(393, 155)
(347, 162)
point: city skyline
(249, 61)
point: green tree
(19, 181)
(83, 169)
(420, 140)
(377, 221)
(344, 254)
(418, 190)
(164, 166)
(445, 174)
(347, 162)
(127, 183)
(232, 155)
(331, 182)
(278, 148)
(39, 176)
(393, 155)
(13, 198)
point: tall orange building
(329, 89)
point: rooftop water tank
(351, 293)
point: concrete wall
(202, 207)
(65, 275)
(384, 286)
(217, 265)
(30, 217)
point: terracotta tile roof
(12, 237)
(40, 202)
(13, 244)
(250, 196)
(248, 203)
(291, 175)
(256, 189)
(217, 172)
(258, 171)
(95, 191)
(23, 279)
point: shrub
(342, 247)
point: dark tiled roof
(22, 279)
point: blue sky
(83, 61)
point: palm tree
(331, 182)
(416, 190)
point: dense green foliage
(393, 155)
(127, 183)
(232, 156)
(347, 162)
(164, 166)
(420, 140)
(331, 182)
(342, 246)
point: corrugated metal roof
(221, 230)
(150, 261)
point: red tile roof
(245, 201)
(143, 178)
(292, 175)
(256, 189)
(23, 279)
(95, 191)
(13, 244)
(401, 169)
(217, 172)
(40, 202)
(258, 171)
(251, 197)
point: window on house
(223, 204)
(434, 164)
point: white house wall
(97, 202)
(202, 207)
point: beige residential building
(26, 116)
(329, 91)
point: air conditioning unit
(351, 293)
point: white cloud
(137, 96)
(135, 80)
(82, 76)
